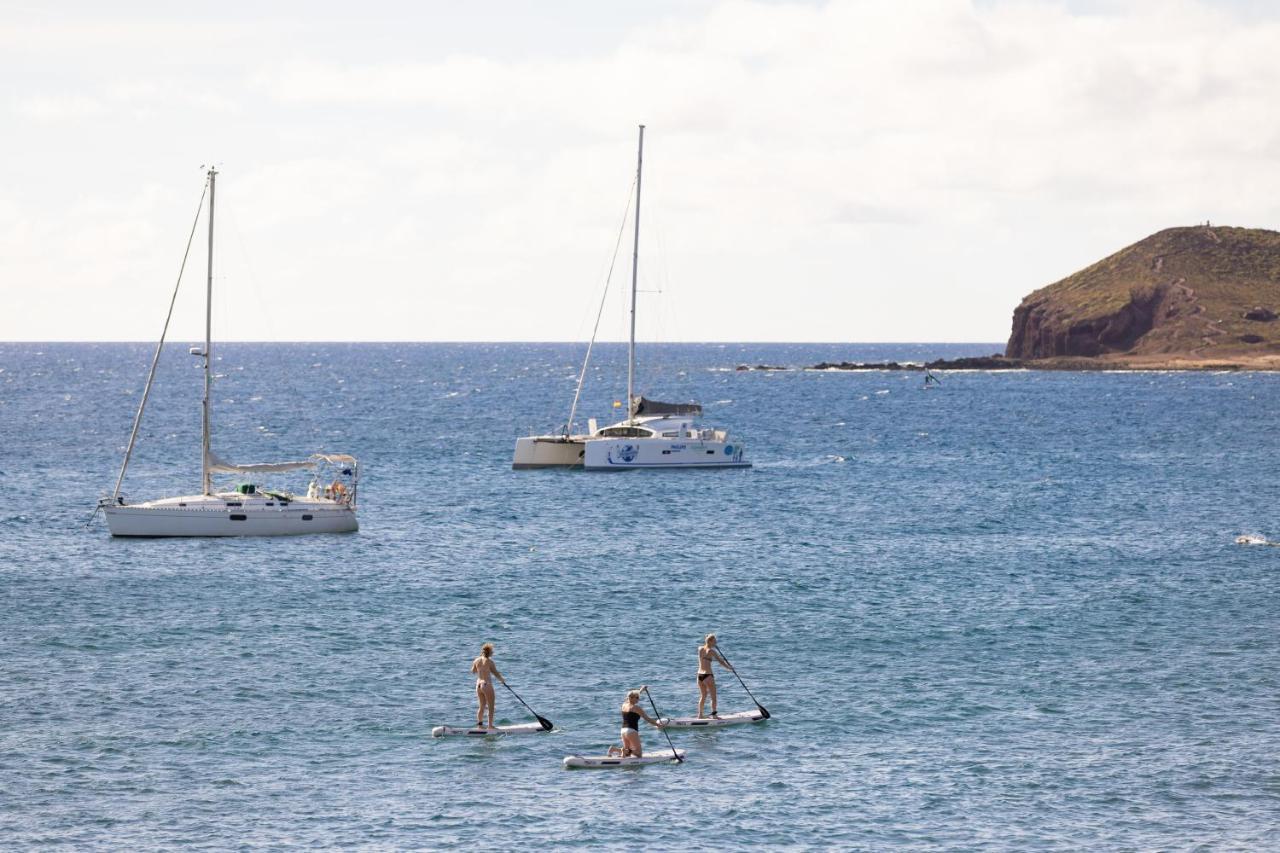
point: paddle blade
(764, 712)
(547, 725)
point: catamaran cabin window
(626, 432)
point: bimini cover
(344, 463)
(221, 466)
(641, 406)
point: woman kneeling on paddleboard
(485, 670)
(707, 653)
(632, 713)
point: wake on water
(826, 459)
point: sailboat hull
(217, 516)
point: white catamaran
(654, 435)
(329, 505)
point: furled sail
(221, 466)
(641, 406)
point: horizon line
(508, 341)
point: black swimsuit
(703, 676)
(631, 720)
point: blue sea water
(1005, 613)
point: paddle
(542, 721)
(657, 715)
(763, 710)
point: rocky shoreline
(984, 362)
(1064, 363)
(1199, 297)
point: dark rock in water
(979, 362)
(1252, 339)
(982, 362)
(1183, 292)
(858, 365)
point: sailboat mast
(635, 268)
(208, 356)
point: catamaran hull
(597, 454)
(547, 452)
(626, 453)
(141, 521)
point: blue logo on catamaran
(628, 453)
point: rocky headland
(1184, 298)
(1195, 298)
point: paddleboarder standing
(708, 654)
(485, 670)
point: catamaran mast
(208, 340)
(635, 267)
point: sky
(834, 170)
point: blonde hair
(633, 695)
(487, 650)
(711, 638)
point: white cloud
(898, 171)
(59, 107)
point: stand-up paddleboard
(735, 719)
(657, 756)
(521, 729)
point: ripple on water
(1008, 613)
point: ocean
(1006, 613)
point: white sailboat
(654, 434)
(329, 505)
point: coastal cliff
(1184, 297)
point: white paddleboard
(657, 756)
(521, 729)
(735, 719)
